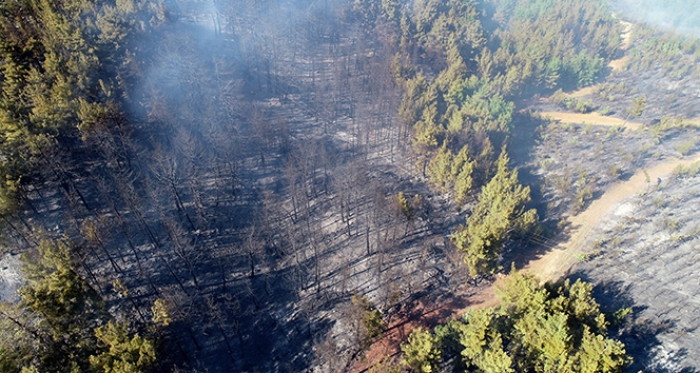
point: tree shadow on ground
(640, 335)
(521, 149)
(534, 245)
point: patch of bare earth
(693, 121)
(583, 92)
(590, 118)
(620, 63)
(425, 314)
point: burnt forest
(384, 186)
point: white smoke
(680, 16)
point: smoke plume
(681, 16)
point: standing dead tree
(166, 169)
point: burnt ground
(285, 155)
(569, 157)
(309, 262)
(10, 277)
(645, 256)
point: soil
(620, 63)
(558, 262)
(591, 118)
(426, 314)
(585, 91)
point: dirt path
(551, 266)
(626, 34)
(557, 263)
(615, 65)
(591, 118)
(695, 122)
(585, 91)
(619, 64)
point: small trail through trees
(619, 64)
(614, 65)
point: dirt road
(559, 261)
(585, 91)
(591, 118)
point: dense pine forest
(347, 186)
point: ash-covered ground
(645, 256)
(10, 277)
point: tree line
(153, 150)
(460, 64)
(534, 329)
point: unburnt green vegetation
(61, 323)
(534, 329)
(267, 185)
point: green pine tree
(499, 211)
(421, 353)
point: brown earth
(619, 64)
(422, 314)
(585, 91)
(590, 118)
(694, 122)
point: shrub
(686, 146)
(559, 97)
(691, 170)
(583, 195)
(582, 106)
(614, 171)
(582, 258)
(372, 324)
(619, 316)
